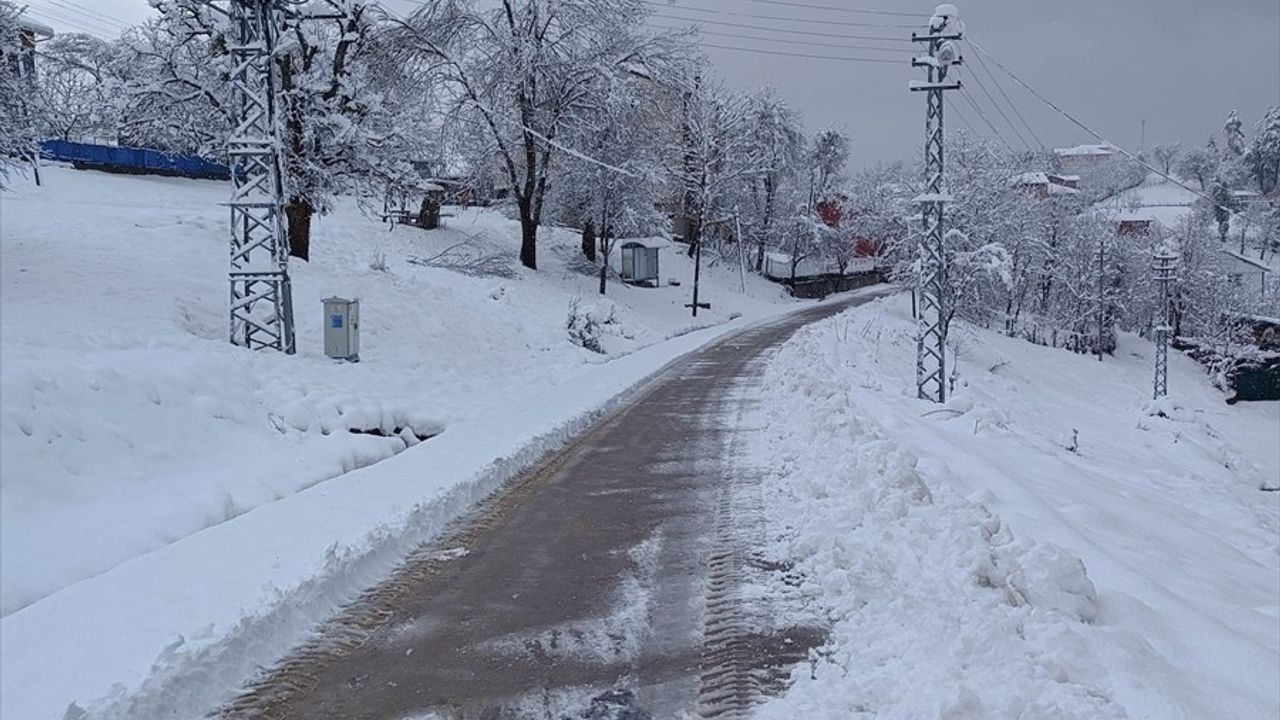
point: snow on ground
(169, 499)
(1048, 544)
(1157, 199)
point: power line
(964, 119)
(71, 21)
(783, 18)
(983, 87)
(1005, 95)
(805, 33)
(807, 43)
(1095, 134)
(964, 93)
(836, 8)
(88, 12)
(72, 15)
(805, 55)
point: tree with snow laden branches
(1233, 131)
(17, 121)
(520, 73)
(1164, 156)
(80, 89)
(711, 154)
(1200, 164)
(336, 120)
(608, 186)
(1263, 156)
(778, 140)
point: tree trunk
(528, 239)
(606, 244)
(589, 241)
(298, 213)
(298, 210)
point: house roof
(649, 242)
(1085, 150)
(34, 26)
(1247, 260)
(1037, 179)
(1030, 178)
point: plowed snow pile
(1048, 544)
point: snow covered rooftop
(1052, 184)
(1085, 150)
(1030, 178)
(649, 242)
(35, 27)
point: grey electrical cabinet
(342, 328)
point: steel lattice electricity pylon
(945, 28)
(261, 295)
(1164, 265)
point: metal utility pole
(697, 272)
(261, 294)
(1102, 301)
(1164, 267)
(945, 30)
(742, 257)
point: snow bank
(947, 547)
(129, 423)
(175, 510)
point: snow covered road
(606, 579)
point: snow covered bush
(588, 325)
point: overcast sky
(1179, 64)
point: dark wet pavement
(586, 589)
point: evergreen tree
(1263, 156)
(1233, 130)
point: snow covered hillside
(1048, 544)
(131, 429)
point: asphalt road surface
(602, 584)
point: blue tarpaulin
(131, 160)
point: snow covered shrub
(587, 325)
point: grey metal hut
(640, 262)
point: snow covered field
(168, 499)
(1050, 544)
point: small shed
(640, 262)
(1134, 224)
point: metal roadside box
(342, 328)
